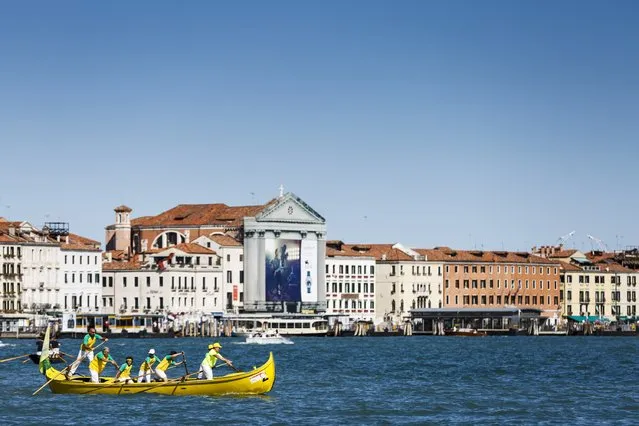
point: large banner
(309, 271)
(282, 270)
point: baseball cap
(151, 351)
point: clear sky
(470, 124)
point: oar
(67, 368)
(178, 380)
(184, 360)
(234, 367)
(115, 383)
(15, 357)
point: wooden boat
(257, 381)
(468, 332)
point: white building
(80, 261)
(231, 253)
(185, 278)
(10, 269)
(350, 282)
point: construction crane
(602, 246)
(562, 240)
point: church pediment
(290, 208)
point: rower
(146, 368)
(99, 362)
(124, 373)
(167, 361)
(208, 363)
(86, 349)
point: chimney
(58, 238)
(12, 231)
(66, 239)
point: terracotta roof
(225, 240)
(115, 254)
(121, 266)
(451, 255)
(382, 252)
(77, 242)
(200, 214)
(562, 253)
(569, 267)
(193, 248)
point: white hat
(151, 351)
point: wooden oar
(15, 357)
(178, 380)
(79, 361)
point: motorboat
(268, 337)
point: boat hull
(255, 382)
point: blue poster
(282, 270)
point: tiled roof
(193, 248)
(569, 267)
(77, 243)
(200, 215)
(225, 240)
(121, 266)
(115, 254)
(451, 255)
(378, 251)
(562, 253)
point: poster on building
(236, 293)
(282, 270)
(309, 271)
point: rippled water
(359, 380)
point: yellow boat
(260, 380)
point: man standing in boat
(86, 348)
(147, 367)
(124, 373)
(208, 363)
(99, 362)
(166, 362)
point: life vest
(210, 359)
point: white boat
(268, 338)
(245, 325)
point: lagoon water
(360, 380)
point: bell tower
(119, 235)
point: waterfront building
(80, 261)
(231, 253)
(184, 278)
(10, 268)
(275, 267)
(493, 279)
(350, 282)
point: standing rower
(208, 363)
(86, 348)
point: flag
(44, 355)
(162, 263)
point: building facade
(492, 279)
(350, 282)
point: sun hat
(214, 345)
(151, 351)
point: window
(229, 276)
(135, 282)
(123, 281)
(148, 281)
(161, 281)
(241, 277)
(228, 257)
(241, 258)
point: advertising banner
(282, 270)
(309, 271)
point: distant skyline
(469, 124)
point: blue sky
(471, 124)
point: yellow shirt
(210, 359)
(125, 370)
(148, 363)
(99, 362)
(165, 363)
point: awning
(583, 318)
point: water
(380, 380)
